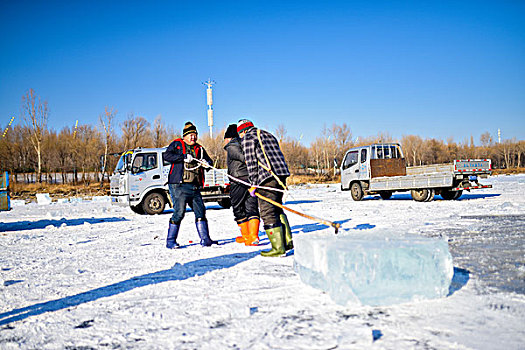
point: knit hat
(188, 129)
(244, 125)
(231, 132)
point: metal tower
(209, 101)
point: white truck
(140, 180)
(381, 169)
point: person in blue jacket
(185, 181)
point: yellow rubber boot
(252, 238)
(244, 232)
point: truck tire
(137, 209)
(154, 203)
(431, 194)
(447, 194)
(419, 195)
(225, 203)
(357, 191)
(385, 194)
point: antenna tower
(209, 102)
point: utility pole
(209, 101)
(499, 136)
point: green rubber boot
(276, 237)
(287, 232)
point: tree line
(33, 152)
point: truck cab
(139, 180)
(363, 163)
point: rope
(334, 225)
(268, 167)
(239, 180)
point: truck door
(350, 168)
(145, 172)
(363, 165)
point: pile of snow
(43, 198)
(383, 268)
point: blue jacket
(175, 155)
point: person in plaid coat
(267, 167)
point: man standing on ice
(245, 207)
(185, 181)
(267, 167)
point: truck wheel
(357, 191)
(431, 194)
(137, 209)
(447, 194)
(385, 194)
(458, 194)
(154, 203)
(225, 203)
(419, 195)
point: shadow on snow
(459, 280)
(177, 273)
(40, 224)
(408, 196)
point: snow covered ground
(90, 275)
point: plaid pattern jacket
(253, 154)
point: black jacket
(235, 159)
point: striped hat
(244, 125)
(188, 129)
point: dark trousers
(269, 212)
(182, 194)
(244, 206)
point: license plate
(473, 177)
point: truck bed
(408, 182)
(216, 178)
(430, 169)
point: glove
(252, 191)
(188, 158)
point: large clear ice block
(374, 269)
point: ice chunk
(17, 202)
(43, 198)
(374, 269)
(101, 199)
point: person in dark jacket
(267, 167)
(185, 181)
(245, 207)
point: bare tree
(135, 132)
(412, 146)
(342, 138)
(35, 114)
(106, 120)
(486, 140)
(161, 133)
(215, 148)
(280, 133)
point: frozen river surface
(90, 275)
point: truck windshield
(121, 165)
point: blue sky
(433, 68)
